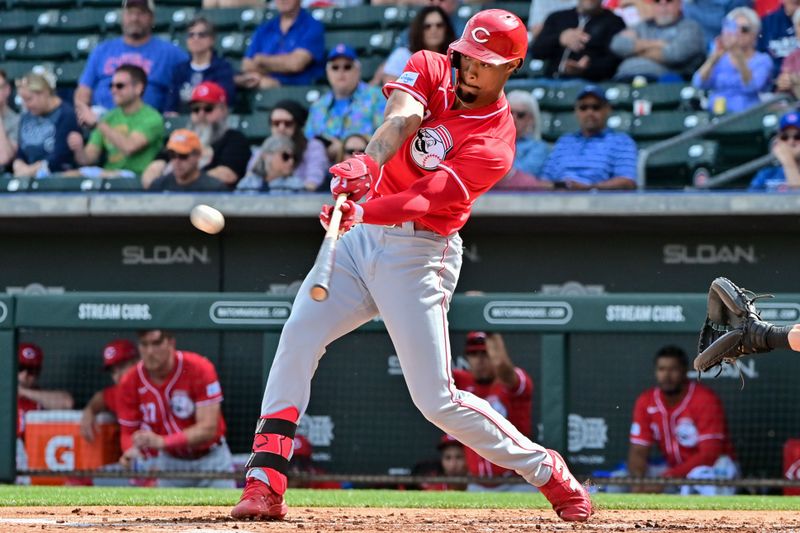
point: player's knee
(434, 409)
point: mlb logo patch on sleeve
(213, 389)
(408, 78)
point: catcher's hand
(733, 327)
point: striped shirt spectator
(595, 157)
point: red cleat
(259, 502)
(570, 499)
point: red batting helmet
(29, 355)
(493, 36)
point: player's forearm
(50, 399)
(83, 95)
(96, 404)
(390, 136)
(427, 195)
(124, 142)
(637, 460)
(708, 452)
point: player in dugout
(508, 389)
(447, 138)
(171, 403)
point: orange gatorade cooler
(53, 442)
(791, 464)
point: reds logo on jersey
(430, 146)
(686, 432)
(181, 404)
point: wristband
(174, 441)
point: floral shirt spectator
(361, 113)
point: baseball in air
(207, 219)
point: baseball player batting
(447, 137)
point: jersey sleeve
(110, 398)
(479, 165)
(421, 77)
(711, 421)
(206, 388)
(640, 427)
(129, 415)
(525, 388)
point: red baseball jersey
(169, 407)
(473, 147)
(111, 398)
(514, 404)
(683, 430)
(23, 406)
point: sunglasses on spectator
(118, 86)
(176, 155)
(287, 156)
(430, 25)
(663, 1)
(198, 34)
(204, 108)
(744, 29)
(590, 107)
(346, 67)
(521, 114)
(786, 136)
(277, 123)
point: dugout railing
(576, 369)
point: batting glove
(352, 214)
(354, 176)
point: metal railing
(700, 131)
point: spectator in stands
(171, 403)
(735, 73)
(43, 129)
(9, 123)
(668, 48)
(351, 106)
(226, 150)
(430, 29)
(595, 157)
(287, 50)
(288, 118)
(118, 357)
(777, 37)
(531, 151)
(303, 463)
(789, 79)
(137, 46)
(575, 42)
(184, 150)
(129, 135)
(452, 462)
(353, 144)
(695, 445)
(273, 168)
(710, 15)
(204, 65)
(30, 397)
(541, 9)
(508, 389)
(786, 148)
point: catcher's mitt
(733, 327)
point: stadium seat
(369, 65)
(661, 96)
(16, 69)
(251, 18)
(557, 124)
(72, 21)
(41, 5)
(121, 185)
(618, 95)
(69, 72)
(746, 138)
(181, 17)
(97, 3)
(63, 184)
(18, 21)
(224, 19)
(520, 9)
(233, 44)
(382, 42)
(12, 184)
(365, 17)
(664, 124)
(560, 98)
(176, 122)
(255, 127)
(677, 166)
(398, 17)
(305, 94)
(359, 40)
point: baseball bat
(323, 266)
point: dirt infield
(323, 520)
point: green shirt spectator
(147, 121)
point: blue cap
(593, 90)
(342, 50)
(790, 120)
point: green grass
(106, 496)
